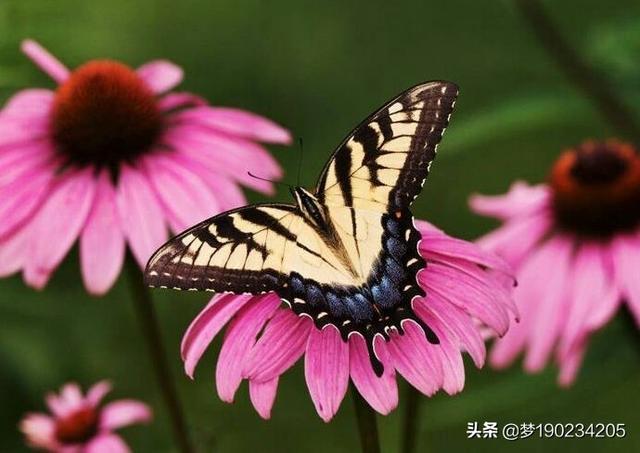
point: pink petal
(415, 359)
(21, 198)
(62, 217)
(39, 430)
(175, 101)
(626, 252)
(16, 131)
(465, 293)
(280, 346)
(97, 392)
(457, 248)
(458, 322)
(326, 369)
(102, 244)
(18, 161)
(570, 364)
(72, 395)
(143, 219)
(122, 413)
(106, 443)
(28, 103)
(380, 392)
(206, 326)
(160, 75)
(235, 156)
(547, 319)
(240, 338)
(49, 64)
(515, 240)
(237, 122)
(522, 199)
(14, 251)
(263, 395)
(185, 196)
(533, 277)
(448, 352)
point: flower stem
(410, 421)
(581, 74)
(151, 331)
(367, 424)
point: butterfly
(345, 254)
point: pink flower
(464, 285)
(79, 424)
(112, 157)
(575, 244)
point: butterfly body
(345, 255)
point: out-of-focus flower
(112, 157)
(464, 286)
(575, 245)
(79, 424)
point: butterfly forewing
(383, 163)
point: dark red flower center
(77, 427)
(104, 114)
(596, 188)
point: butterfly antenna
(270, 180)
(301, 158)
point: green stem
(581, 74)
(410, 422)
(367, 424)
(151, 330)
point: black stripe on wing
(178, 264)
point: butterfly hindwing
(383, 163)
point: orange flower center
(78, 427)
(104, 114)
(596, 188)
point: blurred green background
(319, 68)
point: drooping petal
(18, 131)
(206, 326)
(515, 240)
(143, 221)
(39, 430)
(33, 102)
(521, 199)
(186, 197)
(240, 338)
(106, 443)
(97, 392)
(263, 395)
(459, 323)
(121, 413)
(237, 122)
(57, 225)
(415, 359)
(570, 363)
(49, 64)
(457, 248)
(22, 197)
(176, 101)
(235, 156)
(102, 243)
(160, 75)
(448, 352)
(14, 251)
(380, 392)
(533, 277)
(626, 253)
(326, 369)
(280, 346)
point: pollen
(104, 114)
(596, 188)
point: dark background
(319, 68)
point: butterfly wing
(383, 163)
(253, 249)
